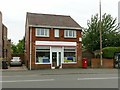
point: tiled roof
(51, 20)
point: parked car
(15, 61)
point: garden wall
(107, 63)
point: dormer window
(42, 32)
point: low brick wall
(107, 63)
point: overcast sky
(14, 12)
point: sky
(14, 12)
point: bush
(108, 52)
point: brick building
(52, 41)
(5, 43)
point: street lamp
(101, 61)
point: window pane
(42, 47)
(67, 33)
(42, 54)
(42, 32)
(70, 33)
(69, 54)
(74, 34)
(38, 32)
(56, 33)
(42, 57)
(45, 32)
(69, 57)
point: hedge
(108, 52)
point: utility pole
(101, 61)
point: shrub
(108, 52)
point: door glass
(54, 59)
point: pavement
(77, 71)
(16, 68)
(59, 78)
(63, 71)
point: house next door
(56, 57)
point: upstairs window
(69, 33)
(42, 32)
(56, 32)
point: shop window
(42, 54)
(69, 55)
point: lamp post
(101, 61)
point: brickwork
(52, 38)
(34, 20)
(107, 63)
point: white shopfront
(55, 53)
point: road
(38, 79)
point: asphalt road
(35, 79)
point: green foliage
(14, 49)
(91, 35)
(108, 52)
(19, 48)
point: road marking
(28, 80)
(97, 78)
(21, 75)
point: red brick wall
(27, 46)
(52, 38)
(107, 63)
(69, 66)
(39, 66)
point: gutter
(59, 27)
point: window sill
(43, 36)
(69, 63)
(42, 63)
(71, 37)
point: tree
(91, 36)
(14, 49)
(19, 48)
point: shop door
(56, 56)
(54, 59)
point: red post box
(84, 63)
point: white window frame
(42, 32)
(70, 33)
(36, 58)
(70, 51)
(56, 32)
